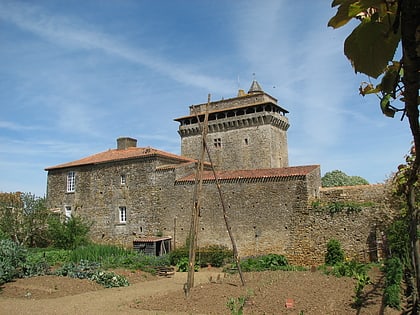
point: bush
(266, 262)
(68, 234)
(215, 255)
(177, 254)
(394, 275)
(334, 253)
(91, 271)
(12, 260)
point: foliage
(23, 218)
(91, 271)
(109, 279)
(266, 262)
(334, 254)
(177, 254)
(12, 259)
(68, 234)
(236, 306)
(340, 206)
(371, 47)
(362, 279)
(338, 178)
(394, 274)
(105, 254)
(398, 241)
(215, 255)
(355, 270)
(183, 263)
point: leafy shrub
(215, 255)
(109, 279)
(91, 271)
(177, 254)
(266, 262)
(394, 275)
(12, 260)
(68, 234)
(183, 264)
(82, 270)
(334, 253)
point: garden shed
(154, 246)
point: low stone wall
(356, 216)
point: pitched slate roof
(258, 174)
(119, 155)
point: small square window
(71, 181)
(123, 179)
(217, 142)
(123, 214)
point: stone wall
(355, 215)
(289, 216)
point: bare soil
(268, 292)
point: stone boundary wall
(358, 221)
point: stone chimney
(126, 142)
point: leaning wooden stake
(196, 206)
(226, 218)
(219, 189)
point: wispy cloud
(13, 126)
(77, 34)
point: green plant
(183, 264)
(362, 279)
(334, 253)
(91, 271)
(177, 254)
(68, 234)
(12, 260)
(394, 274)
(109, 279)
(236, 306)
(215, 255)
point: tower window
(123, 179)
(217, 142)
(246, 141)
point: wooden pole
(225, 215)
(196, 205)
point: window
(71, 180)
(217, 142)
(123, 214)
(123, 180)
(67, 212)
(246, 141)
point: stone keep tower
(245, 132)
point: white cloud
(78, 35)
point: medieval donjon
(141, 195)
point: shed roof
(113, 155)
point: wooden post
(196, 205)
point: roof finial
(255, 86)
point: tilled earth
(271, 292)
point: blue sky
(76, 75)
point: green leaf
(385, 106)
(370, 47)
(342, 16)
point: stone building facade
(136, 193)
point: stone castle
(143, 197)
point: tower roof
(255, 87)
